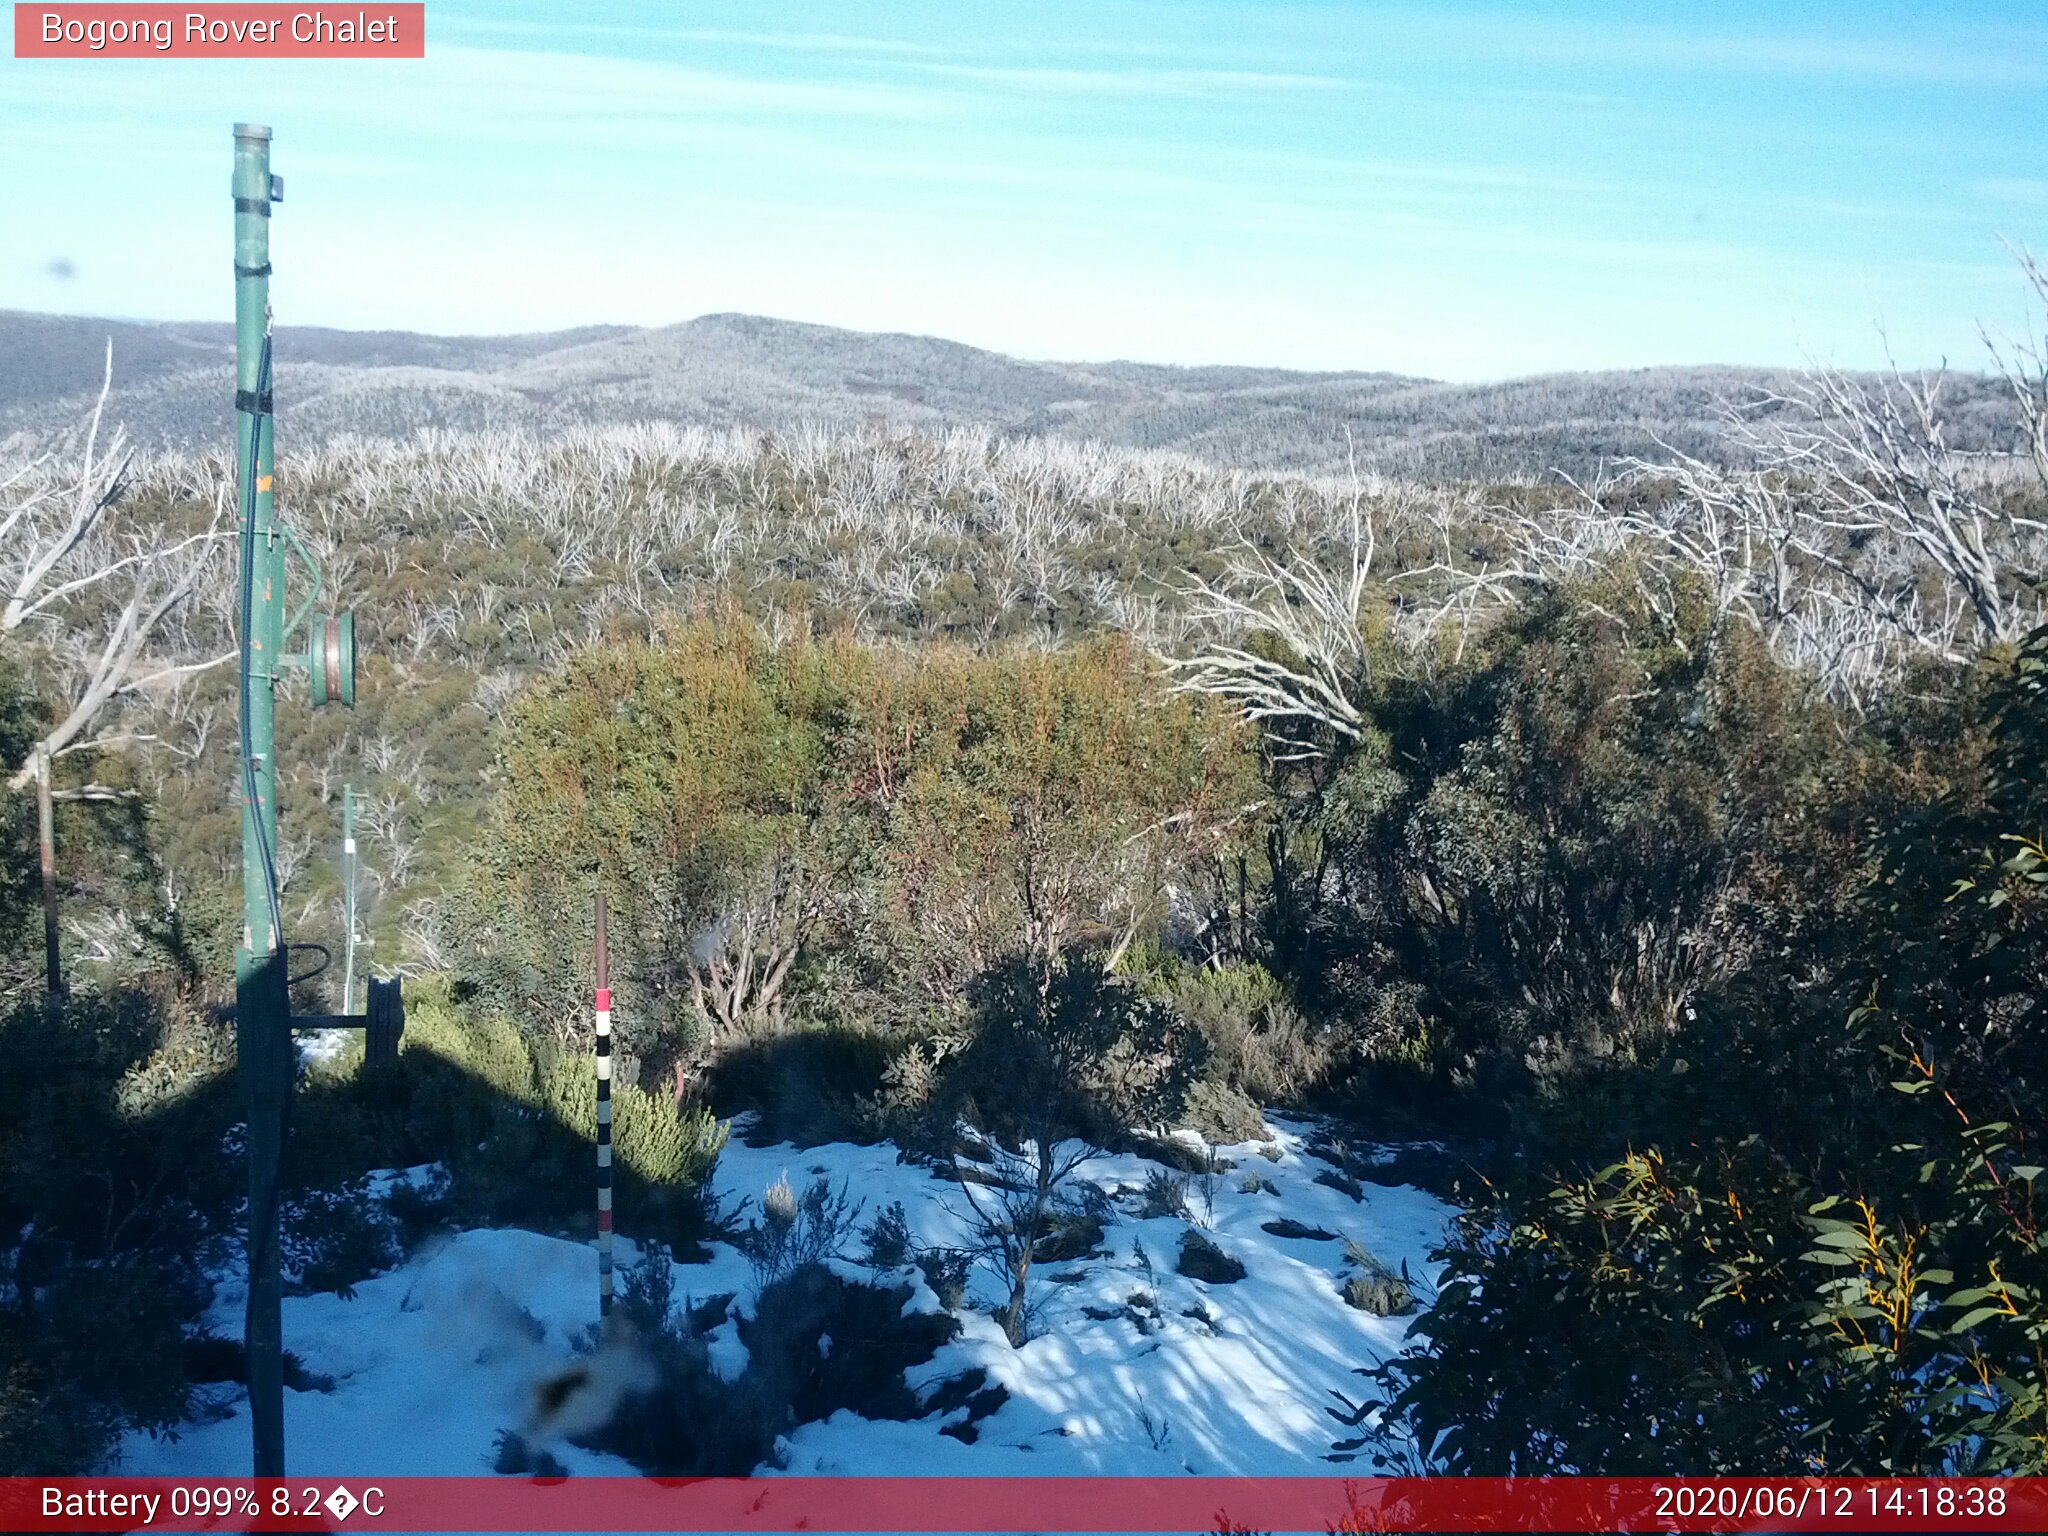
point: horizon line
(628, 328)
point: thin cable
(249, 785)
(326, 963)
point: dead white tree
(1876, 478)
(68, 572)
(293, 852)
(739, 966)
(383, 816)
(425, 932)
(2024, 366)
(496, 689)
(401, 854)
(329, 774)
(1310, 614)
(91, 593)
(1849, 534)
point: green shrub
(1068, 1235)
(418, 1210)
(1223, 1113)
(1375, 1288)
(487, 1047)
(1201, 1259)
(890, 1246)
(1260, 1049)
(889, 1240)
(1165, 1194)
(945, 1271)
(116, 1190)
(1836, 1267)
(512, 1124)
(827, 832)
(1535, 862)
(98, 1352)
(665, 1143)
(873, 1343)
(694, 1424)
(1067, 1051)
(795, 1232)
(647, 1298)
(809, 1083)
(332, 1238)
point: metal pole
(262, 992)
(604, 1116)
(348, 869)
(263, 646)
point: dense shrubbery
(114, 1194)
(830, 834)
(1062, 1057)
(1538, 860)
(1752, 980)
(514, 1122)
(121, 1185)
(1257, 1048)
(816, 1344)
(1806, 1236)
(475, 566)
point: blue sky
(1456, 189)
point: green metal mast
(263, 1011)
(263, 645)
(262, 993)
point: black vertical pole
(264, 1044)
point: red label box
(115, 31)
(1131, 1505)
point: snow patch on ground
(432, 1360)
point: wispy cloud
(814, 42)
(491, 90)
(573, 80)
(790, 42)
(1565, 36)
(1132, 82)
(2027, 191)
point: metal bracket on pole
(291, 625)
(382, 1024)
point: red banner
(1004, 1504)
(112, 31)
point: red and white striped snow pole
(604, 1117)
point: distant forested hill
(173, 385)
